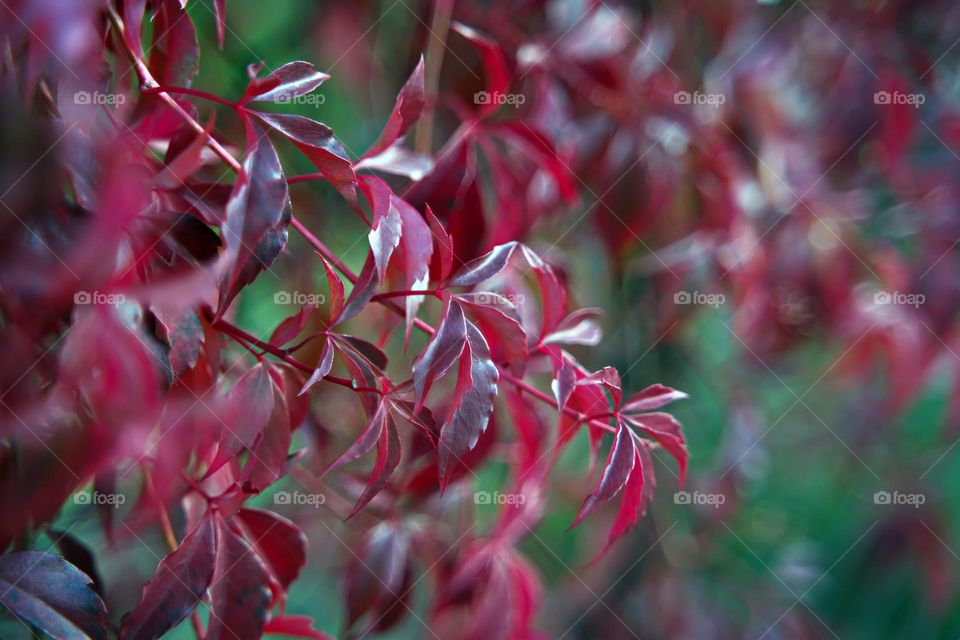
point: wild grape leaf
(666, 430)
(580, 327)
(184, 334)
(177, 586)
(268, 457)
(363, 290)
(316, 141)
(323, 367)
(368, 438)
(247, 410)
(294, 627)
(406, 112)
(653, 397)
(609, 378)
(472, 402)
(444, 253)
(291, 327)
(240, 593)
(500, 324)
(398, 161)
(220, 15)
(387, 227)
(620, 463)
(278, 542)
(259, 203)
(553, 295)
(484, 267)
(388, 457)
(336, 293)
(292, 80)
(376, 576)
(494, 63)
(175, 53)
(46, 591)
(442, 351)
(637, 493)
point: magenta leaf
(247, 410)
(268, 457)
(388, 457)
(580, 327)
(259, 204)
(316, 141)
(294, 627)
(484, 267)
(405, 112)
(291, 327)
(444, 245)
(177, 586)
(220, 14)
(292, 80)
(620, 463)
(442, 351)
(279, 543)
(240, 593)
(653, 397)
(323, 368)
(494, 63)
(46, 591)
(637, 493)
(666, 430)
(175, 53)
(472, 404)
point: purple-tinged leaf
(442, 351)
(364, 444)
(316, 141)
(472, 405)
(388, 457)
(405, 112)
(175, 53)
(387, 226)
(177, 586)
(666, 430)
(279, 543)
(637, 493)
(498, 320)
(609, 378)
(46, 591)
(259, 203)
(335, 285)
(220, 14)
(247, 410)
(291, 327)
(444, 245)
(494, 63)
(323, 368)
(398, 161)
(363, 290)
(580, 327)
(240, 593)
(620, 463)
(484, 267)
(268, 457)
(290, 81)
(653, 397)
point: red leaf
(239, 595)
(269, 456)
(290, 328)
(666, 430)
(377, 576)
(175, 53)
(484, 267)
(295, 627)
(580, 327)
(500, 324)
(637, 494)
(177, 586)
(336, 293)
(317, 143)
(442, 351)
(46, 591)
(285, 83)
(405, 112)
(387, 225)
(620, 463)
(472, 404)
(248, 409)
(494, 63)
(259, 203)
(220, 13)
(388, 457)
(370, 436)
(323, 368)
(279, 543)
(653, 397)
(444, 245)
(609, 378)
